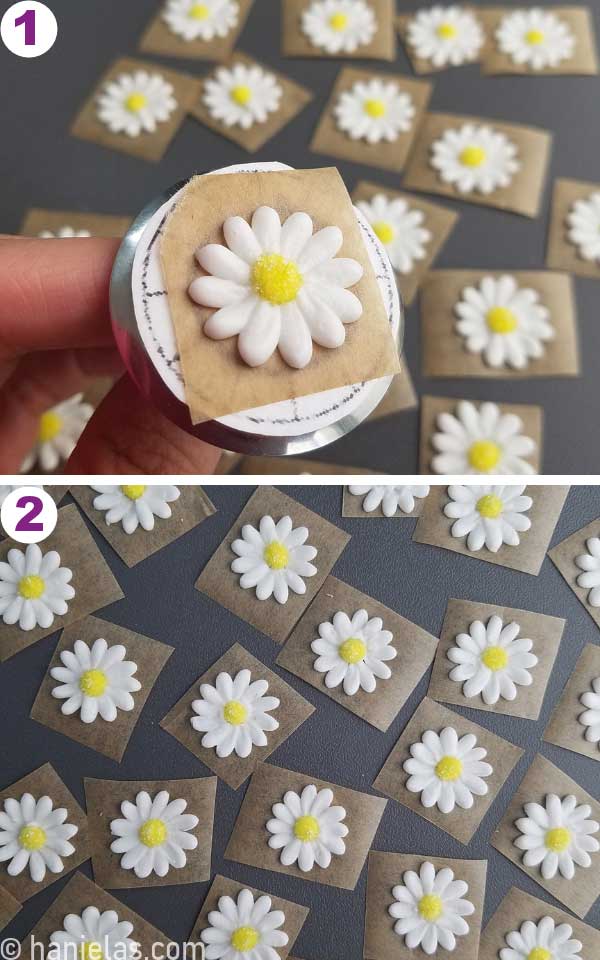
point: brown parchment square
(429, 715)
(583, 62)
(218, 580)
(295, 914)
(9, 908)
(546, 633)
(532, 418)
(437, 219)
(295, 466)
(291, 713)
(147, 146)
(563, 557)
(564, 728)
(159, 38)
(385, 872)
(293, 100)
(104, 798)
(401, 395)
(329, 140)
(189, 510)
(217, 381)
(93, 582)
(98, 224)
(444, 353)
(415, 652)
(561, 254)
(296, 44)
(525, 192)
(110, 739)
(419, 64)
(46, 782)
(352, 506)
(579, 894)
(434, 527)
(249, 841)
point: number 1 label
(28, 28)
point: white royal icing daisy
(242, 95)
(535, 38)
(583, 222)
(233, 714)
(274, 558)
(390, 497)
(492, 660)
(557, 836)
(201, 19)
(446, 770)
(277, 286)
(154, 834)
(590, 718)
(480, 440)
(475, 158)
(429, 908)
(307, 828)
(58, 432)
(135, 103)
(374, 110)
(244, 929)
(446, 36)
(95, 681)
(544, 940)
(400, 229)
(353, 652)
(135, 505)
(34, 834)
(92, 935)
(590, 563)
(488, 515)
(63, 233)
(339, 26)
(34, 588)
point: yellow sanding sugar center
(489, 506)
(153, 833)
(338, 21)
(353, 650)
(136, 102)
(235, 713)
(32, 838)
(501, 320)
(31, 587)
(384, 231)
(473, 156)
(241, 95)
(495, 658)
(449, 768)
(50, 426)
(558, 839)
(535, 37)
(93, 683)
(539, 953)
(90, 950)
(133, 491)
(484, 455)
(276, 555)
(244, 939)
(307, 828)
(276, 279)
(446, 31)
(199, 11)
(375, 108)
(431, 907)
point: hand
(55, 336)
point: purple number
(26, 524)
(28, 19)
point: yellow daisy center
(353, 650)
(90, 950)
(307, 828)
(473, 156)
(431, 907)
(338, 21)
(446, 31)
(375, 108)
(501, 320)
(241, 95)
(535, 37)
(495, 658)
(489, 506)
(276, 279)
(93, 683)
(384, 231)
(449, 768)
(31, 587)
(276, 555)
(539, 953)
(136, 102)
(133, 491)
(153, 833)
(235, 713)
(244, 939)
(484, 455)
(32, 838)
(50, 426)
(558, 839)
(199, 11)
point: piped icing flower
(429, 908)
(135, 505)
(475, 158)
(543, 940)
(447, 770)
(503, 322)
(590, 718)
(307, 828)
(535, 38)
(201, 19)
(244, 929)
(557, 836)
(590, 564)
(390, 498)
(492, 661)
(59, 429)
(93, 935)
(445, 36)
(399, 228)
(95, 681)
(277, 286)
(34, 834)
(34, 588)
(154, 834)
(583, 227)
(339, 26)
(136, 103)
(234, 714)
(374, 110)
(63, 233)
(353, 652)
(488, 516)
(242, 95)
(273, 559)
(483, 440)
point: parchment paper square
(296, 44)
(582, 62)
(352, 506)
(249, 841)
(218, 581)
(294, 99)
(444, 353)
(159, 38)
(501, 755)
(546, 633)
(104, 798)
(563, 557)
(420, 64)
(93, 582)
(542, 778)
(415, 652)
(46, 782)
(434, 527)
(187, 512)
(295, 914)
(38, 219)
(401, 395)
(110, 739)
(525, 192)
(561, 254)
(147, 146)
(329, 140)
(291, 713)
(564, 728)
(385, 872)
(439, 220)
(295, 466)
(9, 908)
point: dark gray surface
(381, 560)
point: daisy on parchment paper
(154, 834)
(353, 652)
(63, 233)
(234, 714)
(390, 498)
(96, 681)
(244, 929)
(135, 505)
(92, 935)
(429, 908)
(58, 432)
(34, 588)
(590, 718)
(475, 158)
(374, 110)
(34, 834)
(590, 564)
(447, 770)
(544, 940)
(583, 222)
(274, 559)
(488, 515)
(535, 38)
(557, 836)
(136, 103)
(446, 36)
(242, 95)
(492, 660)
(339, 26)
(307, 828)
(399, 228)
(483, 440)
(201, 19)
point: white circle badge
(28, 514)
(28, 28)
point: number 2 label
(28, 514)
(26, 523)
